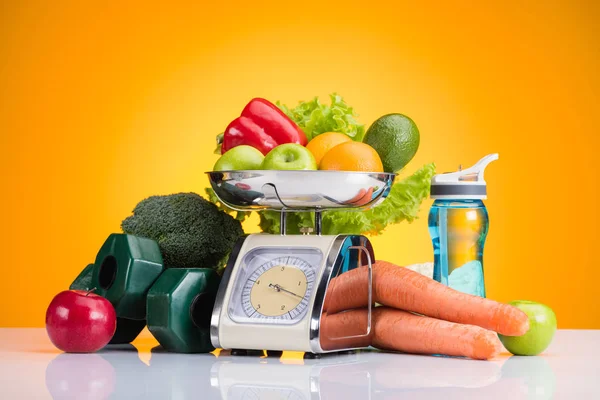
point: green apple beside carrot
(542, 326)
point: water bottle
(458, 225)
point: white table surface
(31, 368)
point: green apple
(239, 158)
(289, 156)
(542, 325)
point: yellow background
(104, 104)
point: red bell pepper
(263, 126)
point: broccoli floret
(191, 232)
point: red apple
(80, 322)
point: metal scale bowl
(274, 288)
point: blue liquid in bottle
(458, 229)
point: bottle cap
(464, 183)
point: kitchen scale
(274, 287)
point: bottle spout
(475, 173)
(472, 174)
(464, 183)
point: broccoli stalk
(190, 231)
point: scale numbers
(279, 289)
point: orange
(352, 156)
(324, 142)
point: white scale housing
(233, 328)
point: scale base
(318, 356)
(255, 353)
(279, 353)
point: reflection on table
(120, 373)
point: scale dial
(278, 289)
(276, 285)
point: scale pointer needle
(280, 289)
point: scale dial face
(276, 285)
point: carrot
(366, 198)
(404, 289)
(357, 197)
(347, 291)
(402, 331)
(345, 330)
(410, 333)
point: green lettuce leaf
(402, 204)
(269, 221)
(315, 118)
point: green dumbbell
(125, 268)
(127, 329)
(84, 279)
(180, 307)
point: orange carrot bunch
(419, 315)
